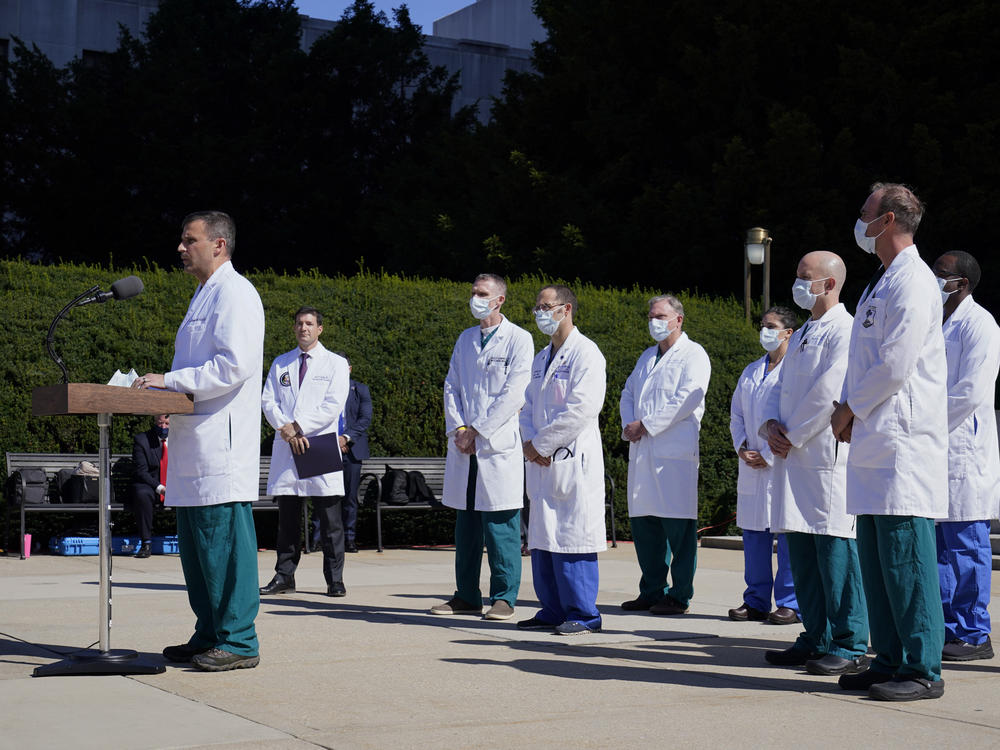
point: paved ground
(375, 670)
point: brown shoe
(668, 606)
(746, 612)
(783, 616)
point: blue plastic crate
(91, 545)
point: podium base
(117, 661)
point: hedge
(398, 333)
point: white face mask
(545, 322)
(770, 339)
(802, 292)
(945, 295)
(659, 329)
(480, 306)
(866, 243)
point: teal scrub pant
(500, 530)
(665, 545)
(830, 593)
(218, 550)
(899, 567)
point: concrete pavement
(376, 670)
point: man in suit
(149, 478)
(354, 447)
(304, 396)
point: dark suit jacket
(146, 453)
(357, 418)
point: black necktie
(871, 284)
(302, 367)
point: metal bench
(121, 477)
(372, 470)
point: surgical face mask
(770, 339)
(866, 243)
(480, 306)
(802, 292)
(545, 322)
(945, 295)
(659, 329)
(162, 432)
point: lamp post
(757, 251)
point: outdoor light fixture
(757, 251)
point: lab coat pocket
(679, 441)
(533, 480)
(565, 476)
(557, 389)
(875, 443)
(200, 444)
(504, 440)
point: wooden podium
(103, 401)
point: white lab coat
(218, 358)
(896, 384)
(972, 346)
(746, 414)
(561, 411)
(484, 389)
(669, 398)
(810, 485)
(315, 406)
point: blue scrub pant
(759, 576)
(898, 556)
(662, 546)
(831, 597)
(218, 551)
(566, 586)
(500, 530)
(965, 564)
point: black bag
(395, 486)
(75, 488)
(31, 487)
(417, 489)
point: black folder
(321, 457)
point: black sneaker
(862, 681)
(832, 665)
(217, 660)
(535, 624)
(182, 653)
(959, 650)
(914, 689)
(144, 551)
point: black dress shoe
(862, 681)
(746, 612)
(831, 665)
(350, 547)
(336, 589)
(278, 586)
(145, 551)
(959, 650)
(790, 657)
(783, 616)
(914, 689)
(182, 653)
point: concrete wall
(507, 22)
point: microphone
(125, 288)
(130, 286)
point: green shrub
(398, 333)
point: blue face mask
(162, 432)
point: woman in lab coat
(754, 484)
(564, 475)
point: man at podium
(212, 476)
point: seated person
(149, 452)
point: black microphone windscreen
(127, 287)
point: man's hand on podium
(149, 380)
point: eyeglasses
(547, 306)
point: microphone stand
(50, 340)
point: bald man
(809, 501)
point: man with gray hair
(661, 409)
(484, 471)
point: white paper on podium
(120, 378)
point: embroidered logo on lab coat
(285, 380)
(869, 317)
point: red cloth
(163, 466)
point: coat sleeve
(737, 427)
(977, 371)
(690, 394)
(908, 318)
(584, 400)
(360, 425)
(236, 323)
(626, 405)
(527, 416)
(812, 412)
(314, 419)
(143, 472)
(269, 400)
(508, 402)
(454, 414)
